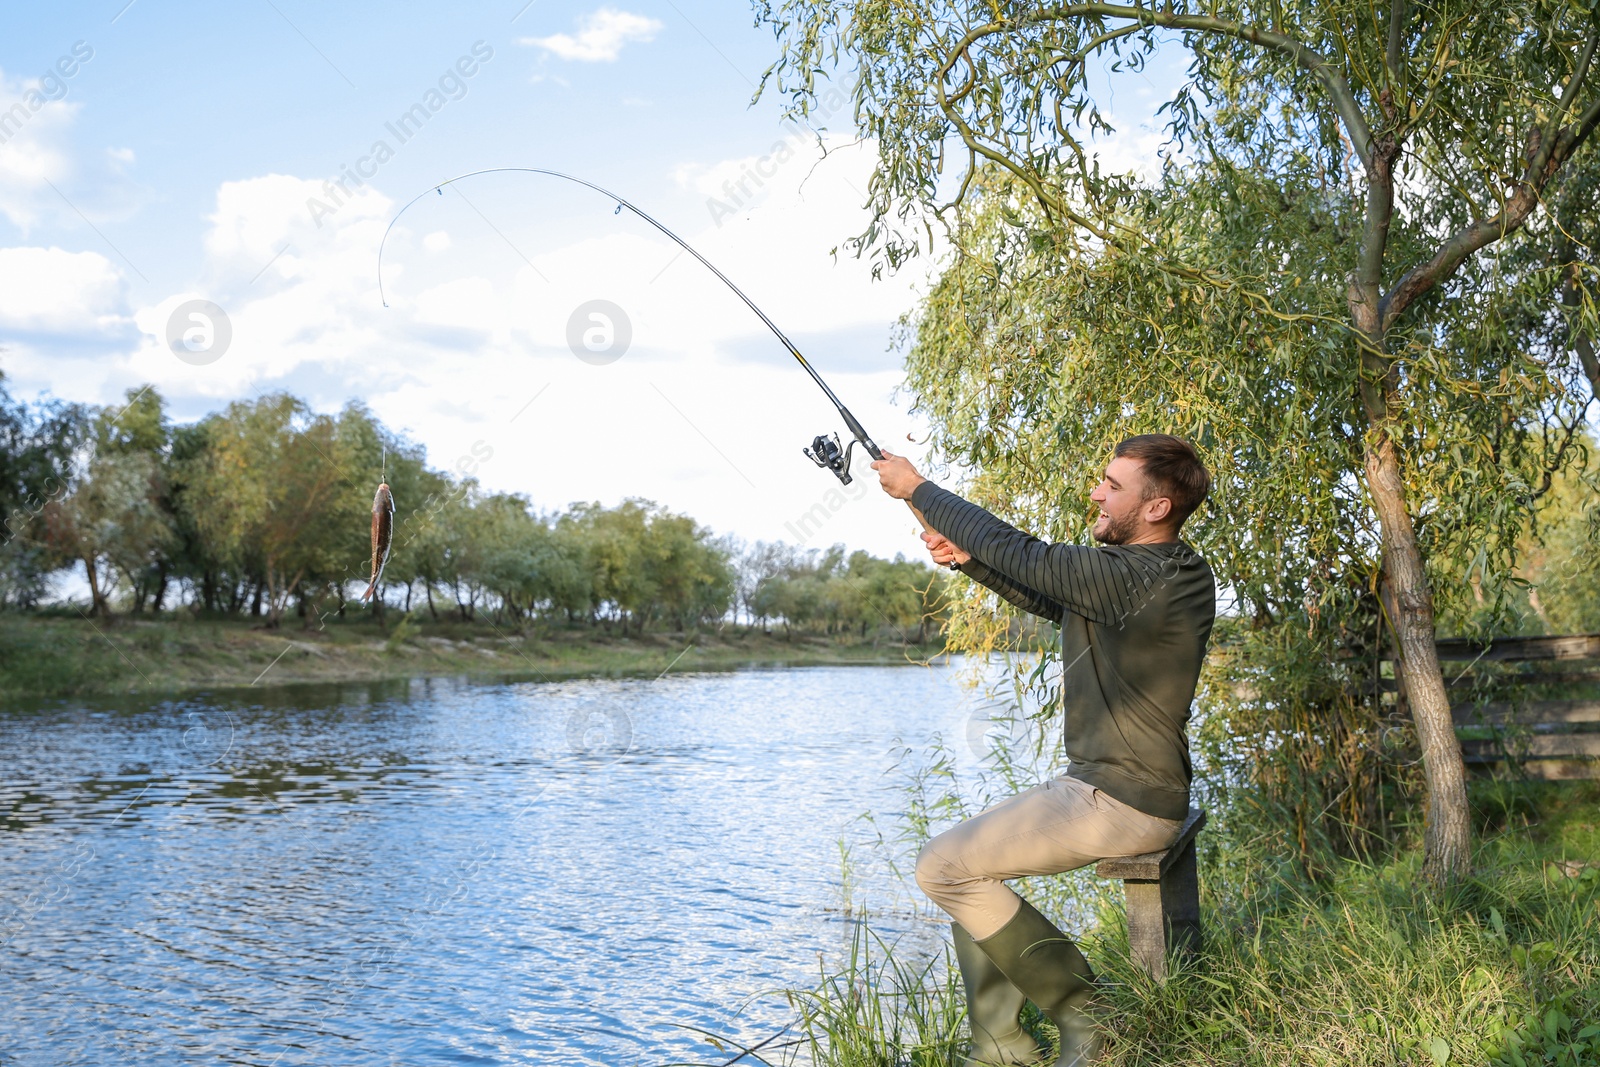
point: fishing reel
(826, 453)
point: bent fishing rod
(824, 450)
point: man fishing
(1135, 613)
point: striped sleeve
(1029, 600)
(1104, 586)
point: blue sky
(188, 157)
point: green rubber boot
(1044, 964)
(993, 1007)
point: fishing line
(824, 450)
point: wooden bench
(1163, 895)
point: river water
(446, 871)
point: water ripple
(437, 871)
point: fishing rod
(824, 451)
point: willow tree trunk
(97, 596)
(1447, 829)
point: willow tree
(273, 492)
(1427, 133)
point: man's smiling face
(1121, 497)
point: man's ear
(1157, 510)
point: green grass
(878, 1008)
(64, 656)
(1367, 967)
(50, 658)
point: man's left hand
(897, 476)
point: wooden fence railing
(1538, 716)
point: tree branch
(1549, 151)
(1366, 283)
(1581, 340)
(1550, 468)
(1444, 263)
(1392, 57)
(1344, 100)
(1548, 138)
(1368, 279)
(1105, 38)
(1586, 123)
(1590, 361)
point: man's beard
(1116, 532)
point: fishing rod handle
(859, 432)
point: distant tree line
(262, 510)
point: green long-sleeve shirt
(1134, 622)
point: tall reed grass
(1348, 962)
(1368, 967)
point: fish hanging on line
(382, 534)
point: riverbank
(1363, 967)
(45, 656)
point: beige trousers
(1058, 826)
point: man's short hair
(1171, 469)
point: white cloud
(257, 217)
(475, 333)
(784, 198)
(53, 290)
(1134, 151)
(465, 304)
(600, 36)
(296, 295)
(31, 157)
(480, 289)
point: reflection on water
(440, 871)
